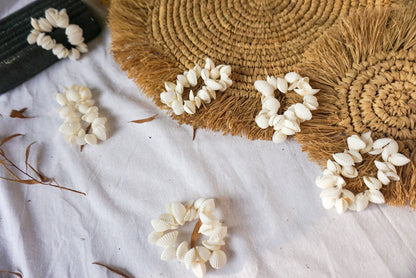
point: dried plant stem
(145, 120)
(195, 233)
(194, 133)
(113, 270)
(13, 273)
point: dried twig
(113, 270)
(13, 273)
(145, 120)
(28, 179)
(194, 133)
(195, 233)
(19, 114)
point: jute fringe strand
(365, 68)
(154, 41)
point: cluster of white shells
(216, 78)
(165, 235)
(288, 123)
(78, 99)
(57, 19)
(333, 183)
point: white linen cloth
(264, 192)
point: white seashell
(291, 77)
(35, 24)
(264, 87)
(302, 112)
(198, 102)
(392, 148)
(181, 79)
(203, 253)
(154, 236)
(311, 102)
(343, 159)
(167, 97)
(99, 121)
(85, 93)
(32, 37)
(178, 211)
(100, 132)
(189, 107)
(211, 246)
(361, 202)
(355, 143)
(375, 196)
(177, 107)
(66, 111)
(206, 229)
(214, 73)
(326, 181)
(271, 104)
(167, 240)
(381, 166)
(218, 234)
(160, 225)
(279, 137)
(383, 177)
(218, 259)
(341, 205)
(287, 131)
(61, 99)
(199, 269)
(392, 176)
(207, 218)
(277, 121)
(179, 90)
(366, 137)
(168, 254)
(170, 86)
(44, 25)
(209, 64)
(213, 85)
(80, 140)
(293, 125)
(227, 81)
(349, 172)
(197, 70)
(91, 139)
(204, 95)
(372, 183)
(398, 159)
(290, 115)
(282, 85)
(199, 202)
(74, 54)
(356, 156)
(208, 206)
(90, 117)
(189, 257)
(331, 192)
(262, 121)
(333, 166)
(375, 151)
(348, 196)
(272, 81)
(72, 95)
(328, 202)
(70, 128)
(205, 74)
(168, 218)
(92, 109)
(192, 78)
(380, 143)
(63, 20)
(225, 70)
(72, 119)
(181, 251)
(51, 15)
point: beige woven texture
(156, 40)
(366, 71)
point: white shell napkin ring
(57, 19)
(76, 105)
(216, 78)
(288, 123)
(165, 235)
(332, 182)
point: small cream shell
(311, 102)
(189, 257)
(91, 139)
(160, 225)
(375, 196)
(326, 181)
(361, 201)
(168, 254)
(302, 112)
(287, 131)
(272, 81)
(167, 240)
(207, 218)
(218, 259)
(356, 156)
(355, 143)
(214, 85)
(279, 137)
(100, 132)
(262, 121)
(203, 253)
(209, 64)
(177, 107)
(333, 166)
(214, 73)
(331, 192)
(375, 151)
(192, 78)
(218, 234)
(264, 88)
(207, 206)
(282, 85)
(199, 202)
(328, 202)
(372, 183)
(154, 236)
(189, 107)
(199, 269)
(181, 250)
(70, 127)
(383, 177)
(271, 104)
(204, 95)
(178, 211)
(211, 246)
(343, 159)
(293, 125)
(380, 143)
(291, 77)
(341, 205)
(398, 159)
(349, 172)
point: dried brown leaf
(13, 273)
(113, 270)
(145, 120)
(41, 177)
(10, 137)
(19, 114)
(194, 133)
(27, 153)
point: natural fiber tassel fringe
(365, 70)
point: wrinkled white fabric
(265, 193)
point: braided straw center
(381, 96)
(256, 37)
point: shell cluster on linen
(332, 182)
(288, 123)
(57, 19)
(216, 78)
(165, 235)
(76, 105)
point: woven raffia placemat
(156, 40)
(366, 70)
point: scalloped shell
(203, 253)
(160, 225)
(355, 143)
(372, 183)
(218, 259)
(271, 104)
(199, 202)
(181, 250)
(383, 177)
(398, 159)
(328, 202)
(178, 211)
(168, 254)
(264, 88)
(343, 159)
(361, 202)
(199, 269)
(211, 246)
(189, 257)
(218, 234)
(302, 112)
(279, 137)
(375, 196)
(326, 181)
(207, 206)
(341, 205)
(333, 166)
(207, 218)
(154, 236)
(168, 239)
(332, 192)
(380, 143)
(168, 218)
